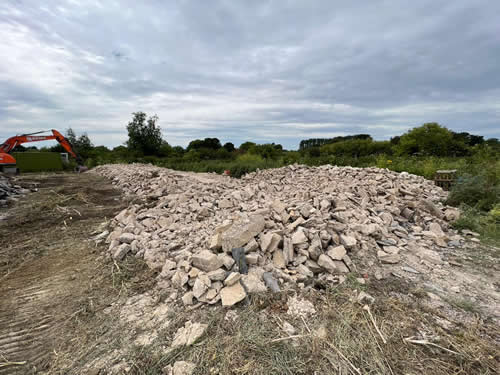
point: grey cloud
(267, 71)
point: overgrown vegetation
(421, 151)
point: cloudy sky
(265, 71)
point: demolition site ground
(68, 307)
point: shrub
(494, 214)
(291, 157)
(357, 148)
(481, 191)
(486, 225)
(250, 158)
(469, 219)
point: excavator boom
(12, 142)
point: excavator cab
(8, 164)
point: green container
(38, 161)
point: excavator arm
(12, 142)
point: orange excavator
(7, 161)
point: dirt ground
(66, 308)
(50, 274)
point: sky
(261, 71)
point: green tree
(356, 147)
(178, 150)
(83, 146)
(430, 139)
(207, 143)
(165, 149)
(266, 151)
(246, 146)
(121, 153)
(195, 145)
(71, 136)
(395, 140)
(144, 136)
(229, 146)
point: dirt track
(50, 274)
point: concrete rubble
(179, 368)
(187, 335)
(9, 192)
(212, 238)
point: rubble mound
(9, 192)
(221, 238)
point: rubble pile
(218, 238)
(9, 192)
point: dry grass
(349, 344)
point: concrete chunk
(299, 237)
(217, 275)
(126, 238)
(215, 242)
(187, 335)
(232, 294)
(270, 242)
(327, 263)
(337, 253)
(348, 241)
(278, 259)
(232, 278)
(122, 251)
(388, 258)
(242, 231)
(206, 261)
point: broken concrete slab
(207, 261)
(242, 231)
(232, 294)
(187, 335)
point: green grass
(480, 222)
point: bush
(356, 148)
(488, 226)
(469, 219)
(291, 157)
(481, 191)
(494, 214)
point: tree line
(430, 139)
(318, 142)
(146, 144)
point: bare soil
(50, 274)
(66, 308)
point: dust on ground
(65, 308)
